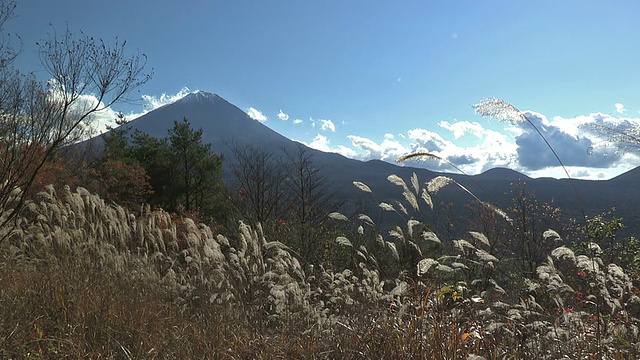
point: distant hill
(221, 121)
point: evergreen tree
(197, 184)
(156, 158)
(177, 173)
(119, 175)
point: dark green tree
(117, 175)
(197, 181)
(155, 157)
(178, 173)
(116, 140)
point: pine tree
(197, 184)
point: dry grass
(80, 278)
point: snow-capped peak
(199, 96)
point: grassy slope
(81, 278)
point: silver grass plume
(366, 219)
(427, 198)
(425, 156)
(431, 237)
(410, 224)
(434, 185)
(425, 265)
(406, 192)
(480, 237)
(551, 236)
(386, 207)
(504, 111)
(499, 109)
(627, 138)
(564, 253)
(362, 186)
(341, 240)
(415, 183)
(402, 208)
(338, 216)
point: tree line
(287, 195)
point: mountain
(218, 119)
(222, 122)
(501, 174)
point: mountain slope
(218, 119)
(222, 122)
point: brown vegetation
(82, 278)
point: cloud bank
(573, 147)
(474, 148)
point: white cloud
(493, 150)
(93, 125)
(99, 120)
(427, 140)
(282, 116)
(388, 149)
(153, 102)
(393, 149)
(460, 128)
(323, 124)
(576, 172)
(327, 125)
(371, 148)
(516, 146)
(255, 114)
(574, 144)
(322, 143)
(620, 108)
(297, 121)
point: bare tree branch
(36, 119)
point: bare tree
(258, 189)
(312, 199)
(286, 192)
(37, 119)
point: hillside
(222, 122)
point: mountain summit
(220, 121)
(202, 96)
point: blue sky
(376, 79)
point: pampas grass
(506, 112)
(84, 278)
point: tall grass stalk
(504, 111)
(431, 156)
